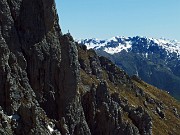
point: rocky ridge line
(42, 80)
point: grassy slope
(169, 125)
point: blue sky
(107, 18)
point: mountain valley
(156, 61)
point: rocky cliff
(39, 69)
(51, 85)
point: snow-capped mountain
(156, 61)
(118, 44)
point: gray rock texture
(42, 88)
(104, 114)
(39, 69)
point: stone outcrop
(39, 68)
(115, 74)
(42, 73)
(104, 114)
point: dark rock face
(104, 114)
(160, 112)
(41, 82)
(142, 120)
(114, 73)
(39, 69)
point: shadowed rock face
(39, 67)
(41, 82)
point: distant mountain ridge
(156, 61)
(51, 85)
(119, 43)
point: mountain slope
(49, 85)
(153, 106)
(156, 61)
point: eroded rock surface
(104, 114)
(51, 85)
(39, 69)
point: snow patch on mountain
(118, 44)
(171, 46)
(119, 48)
